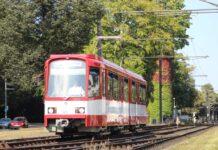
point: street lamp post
(6, 96)
(208, 106)
(6, 100)
(174, 108)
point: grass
(204, 141)
(24, 133)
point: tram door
(133, 104)
(126, 103)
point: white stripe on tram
(97, 107)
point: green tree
(143, 34)
(209, 95)
(183, 84)
(140, 31)
(30, 31)
(207, 98)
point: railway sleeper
(4, 145)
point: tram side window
(134, 92)
(126, 90)
(142, 93)
(137, 91)
(113, 86)
(121, 88)
(94, 82)
(110, 85)
(116, 87)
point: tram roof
(95, 57)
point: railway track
(142, 139)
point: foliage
(207, 99)
(138, 32)
(143, 34)
(153, 107)
(31, 30)
(183, 84)
(209, 96)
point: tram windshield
(67, 78)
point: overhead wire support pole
(99, 33)
(160, 86)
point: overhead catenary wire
(118, 37)
(197, 62)
(214, 4)
(177, 57)
(171, 12)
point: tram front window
(67, 78)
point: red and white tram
(86, 93)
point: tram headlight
(52, 110)
(80, 110)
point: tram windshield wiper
(67, 98)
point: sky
(204, 31)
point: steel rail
(148, 137)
